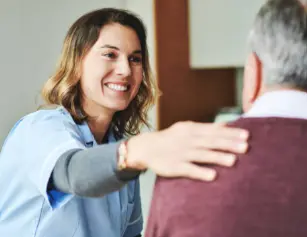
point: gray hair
(279, 39)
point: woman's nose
(123, 67)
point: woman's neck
(99, 127)
(99, 120)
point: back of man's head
(278, 40)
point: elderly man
(265, 194)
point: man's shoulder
(247, 122)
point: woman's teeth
(117, 87)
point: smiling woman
(77, 173)
(110, 55)
(105, 93)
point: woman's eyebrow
(109, 46)
(138, 51)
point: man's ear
(252, 81)
(258, 77)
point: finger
(213, 158)
(219, 123)
(216, 130)
(221, 144)
(192, 171)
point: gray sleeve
(91, 172)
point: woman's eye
(110, 55)
(135, 59)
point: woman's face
(112, 70)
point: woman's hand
(173, 152)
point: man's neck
(280, 103)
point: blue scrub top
(27, 159)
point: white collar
(287, 103)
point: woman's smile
(118, 87)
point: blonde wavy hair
(63, 88)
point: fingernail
(244, 135)
(211, 175)
(242, 147)
(230, 160)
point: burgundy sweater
(264, 195)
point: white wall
(11, 67)
(32, 32)
(219, 31)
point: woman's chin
(118, 107)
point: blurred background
(197, 52)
